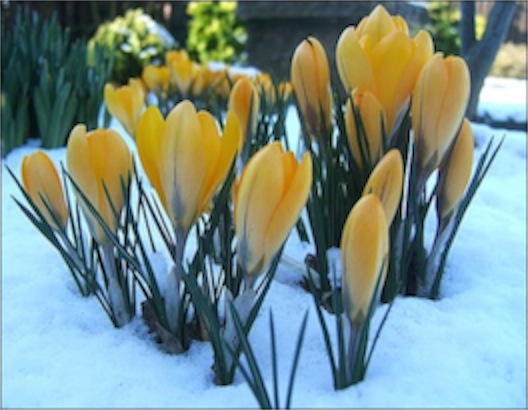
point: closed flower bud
(270, 195)
(455, 172)
(244, 101)
(126, 103)
(364, 256)
(386, 182)
(156, 78)
(202, 79)
(42, 183)
(185, 158)
(310, 78)
(100, 163)
(438, 107)
(369, 147)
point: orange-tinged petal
(364, 250)
(386, 182)
(42, 183)
(455, 173)
(353, 65)
(156, 78)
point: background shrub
(214, 32)
(135, 40)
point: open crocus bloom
(438, 108)
(185, 158)
(364, 254)
(379, 56)
(42, 183)
(270, 195)
(126, 103)
(100, 163)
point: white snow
(466, 350)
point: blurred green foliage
(445, 26)
(135, 40)
(214, 32)
(47, 84)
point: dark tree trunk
(480, 55)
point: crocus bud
(310, 78)
(156, 78)
(202, 78)
(364, 254)
(455, 172)
(100, 163)
(270, 195)
(386, 182)
(438, 107)
(181, 70)
(42, 183)
(244, 102)
(126, 103)
(366, 148)
(185, 158)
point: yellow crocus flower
(310, 78)
(126, 103)
(42, 183)
(438, 108)
(100, 163)
(364, 256)
(245, 103)
(380, 56)
(270, 195)
(386, 182)
(373, 119)
(202, 79)
(455, 172)
(156, 78)
(181, 69)
(185, 158)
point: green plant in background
(47, 84)
(214, 32)
(444, 27)
(135, 40)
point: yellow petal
(41, 181)
(298, 180)
(259, 192)
(455, 173)
(377, 25)
(150, 142)
(364, 250)
(373, 119)
(386, 182)
(353, 66)
(244, 102)
(185, 159)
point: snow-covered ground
(466, 350)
